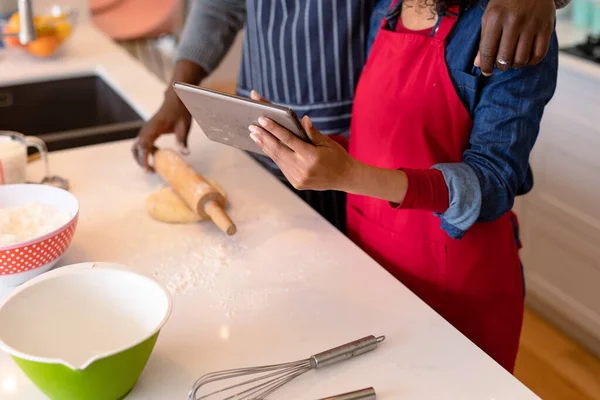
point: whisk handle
(346, 351)
(365, 394)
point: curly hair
(440, 6)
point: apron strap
(446, 23)
(391, 18)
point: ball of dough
(167, 206)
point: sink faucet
(27, 32)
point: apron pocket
(418, 263)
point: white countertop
(288, 285)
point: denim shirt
(506, 109)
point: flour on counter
(237, 278)
(23, 223)
(265, 262)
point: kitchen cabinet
(560, 218)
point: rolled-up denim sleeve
(506, 123)
(464, 200)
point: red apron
(407, 114)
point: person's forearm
(414, 189)
(188, 72)
(385, 184)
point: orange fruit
(44, 26)
(62, 30)
(44, 46)
(11, 41)
(14, 22)
(12, 27)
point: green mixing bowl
(82, 333)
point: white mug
(13, 156)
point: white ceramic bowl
(84, 331)
(22, 261)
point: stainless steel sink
(68, 113)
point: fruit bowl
(24, 260)
(53, 27)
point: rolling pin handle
(219, 217)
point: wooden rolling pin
(33, 157)
(197, 193)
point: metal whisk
(272, 377)
(364, 394)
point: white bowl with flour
(37, 223)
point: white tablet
(225, 118)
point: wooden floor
(553, 366)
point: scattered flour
(247, 271)
(23, 223)
(264, 263)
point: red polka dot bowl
(22, 261)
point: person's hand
(320, 165)
(254, 95)
(515, 33)
(172, 117)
